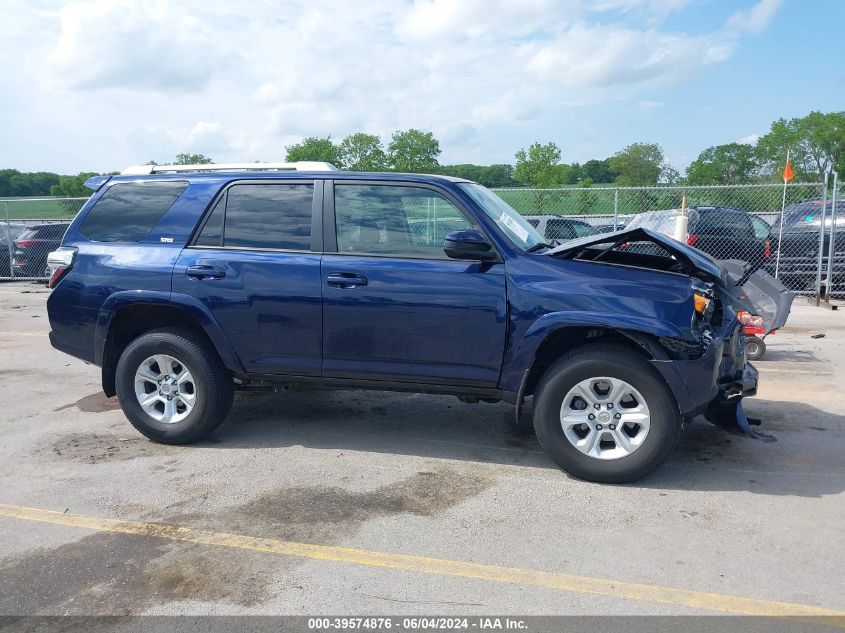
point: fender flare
(187, 303)
(525, 351)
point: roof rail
(303, 165)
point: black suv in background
(799, 244)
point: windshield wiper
(538, 246)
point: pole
(821, 241)
(780, 231)
(682, 222)
(615, 209)
(10, 245)
(831, 251)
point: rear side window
(762, 230)
(127, 212)
(49, 232)
(559, 230)
(582, 229)
(271, 216)
(725, 224)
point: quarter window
(394, 220)
(127, 212)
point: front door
(394, 306)
(254, 268)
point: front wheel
(603, 413)
(172, 386)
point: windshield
(506, 217)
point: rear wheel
(755, 348)
(172, 386)
(603, 413)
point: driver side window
(394, 220)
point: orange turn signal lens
(701, 303)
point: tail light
(60, 262)
(767, 249)
(692, 238)
(25, 243)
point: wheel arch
(122, 319)
(555, 333)
(567, 338)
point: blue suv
(185, 283)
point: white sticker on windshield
(513, 225)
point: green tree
(816, 142)
(568, 174)
(314, 148)
(14, 183)
(639, 164)
(731, 164)
(72, 186)
(488, 175)
(190, 159)
(599, 171)
(538, 166)
(362, 152)
(413, 151)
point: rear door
(255, 264)
(394, 306)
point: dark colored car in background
(559, 228)
(8, 234)
(730, 233)
(32, 247)
(799, 244)
(721, 232)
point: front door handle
(346, 280)
(205, 272)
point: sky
(98, 85)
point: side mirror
(469, 244)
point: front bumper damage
(715, 383)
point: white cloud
(755, 19)
(614, 57)
(647, 104)
(749, 139)
(239, 81)
(153, 45)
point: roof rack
(303, 165)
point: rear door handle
(205, 272)
(346, 280)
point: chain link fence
(806, 251)
(727, 222)
(29, 229)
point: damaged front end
(707, 371)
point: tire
(755, 348)
(196, 406)
(613, 458)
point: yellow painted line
(440, 566)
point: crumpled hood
(693, 261)
(757, 293)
